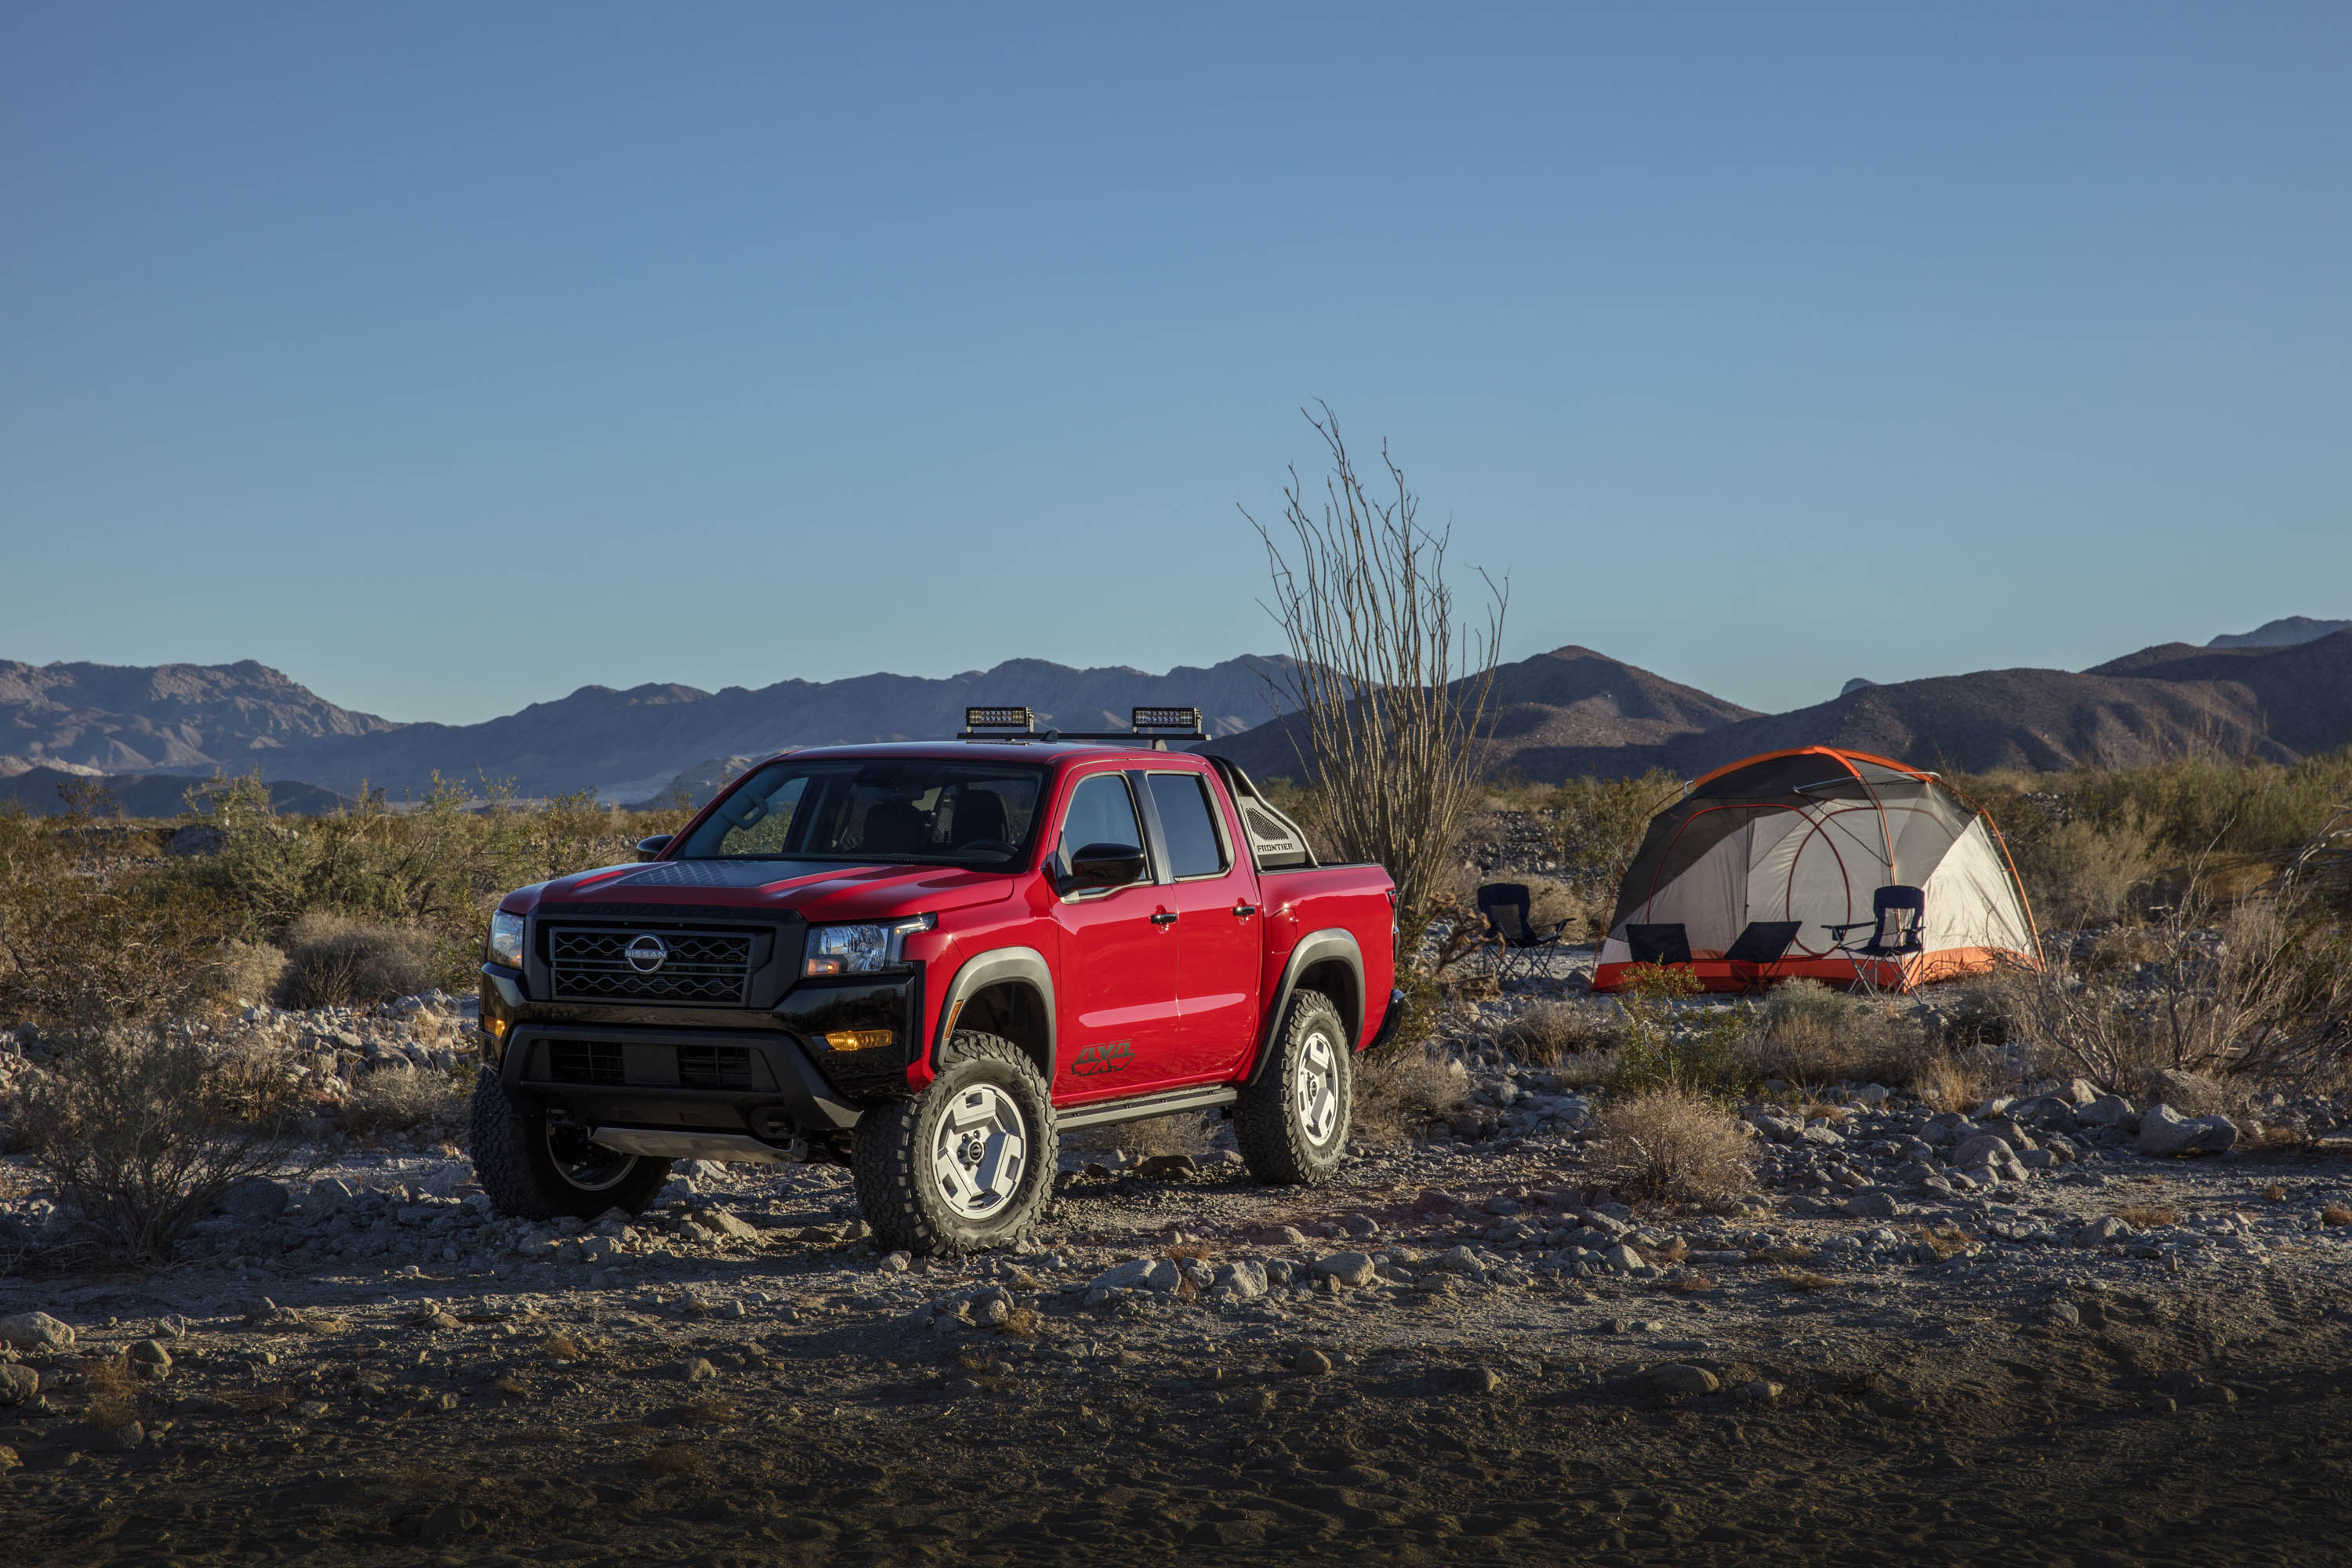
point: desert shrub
(142, 1132)
(88, 940)
(2262, 987)
(434, 867)
(1402, 1090)
(2084, 872)
(250, 971)
(1189, 1133)
(1560, 1036)
(1805, 1033)
(1671, 1145)
(1599, 827)
(395, 1101)
(333, 961)
(1953, 1082)
(1663, 1047)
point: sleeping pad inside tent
(1828, 865)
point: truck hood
(817, 890)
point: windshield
(913, 811)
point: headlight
(860, 948)
(505, 945)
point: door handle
(1165, 918)
(1244, 912)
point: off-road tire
(512, 1163)
(893, 1156)
(1270, 1122)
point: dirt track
(1921, 1418)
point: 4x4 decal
(1111, 1056)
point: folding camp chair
(1658, 944)
(1506, 906)
(1897, 928)
(1758, 948)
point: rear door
(1116, 991)
(1212, 890)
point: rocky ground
(2056, 1330)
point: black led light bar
(1152, 727)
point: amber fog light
(862, 1039)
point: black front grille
(658, 1065)
(714, 1066)
(593, 964)
(585, 1061)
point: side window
(1101, 812)
(1193, 847)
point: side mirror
(648, 849)
(1103, 865)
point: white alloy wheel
(1319, 1089)
(981, 1153)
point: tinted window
(901, 810)
(1101, 812)
(1194, 850)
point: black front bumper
(791, 1072)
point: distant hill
(1569, 711)
(2281, 633)
(37, 791)
(171, 717)
(1558, 714)
(2276, 703)
(629, 745)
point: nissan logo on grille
(646, 955)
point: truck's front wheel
(1291, 1121)
(533, 1170)
(966, 1164)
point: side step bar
(1146, 1106)
(739, 1148)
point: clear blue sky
(450, 357)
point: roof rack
(1152, 727)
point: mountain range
(2281, 692)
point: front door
(1116, 993)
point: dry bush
(89, 939)
(2080, 872)
(2336, 1214)
(1803, 1279)
(392, 1101)
(1667, 1144)
(1560, 1037)
(673, 1459)
(2148, 1216)
(1191, 1133)
(1391, 701)
(112, 1390)
(1952, 1083)
(332, 960)
(1404, 1089)
(1805, 1033)
(143, 1133)
(2262, 988)
(251, 972)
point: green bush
(1663, 1047)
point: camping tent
(1783, 847)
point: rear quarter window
(1194, 845)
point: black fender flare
(1315, 947)
(1024, 966)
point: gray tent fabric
(1811, 835)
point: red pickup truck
(926, 961)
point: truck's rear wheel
(966, 1164)
(533, 1169)
(1292, 1120)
